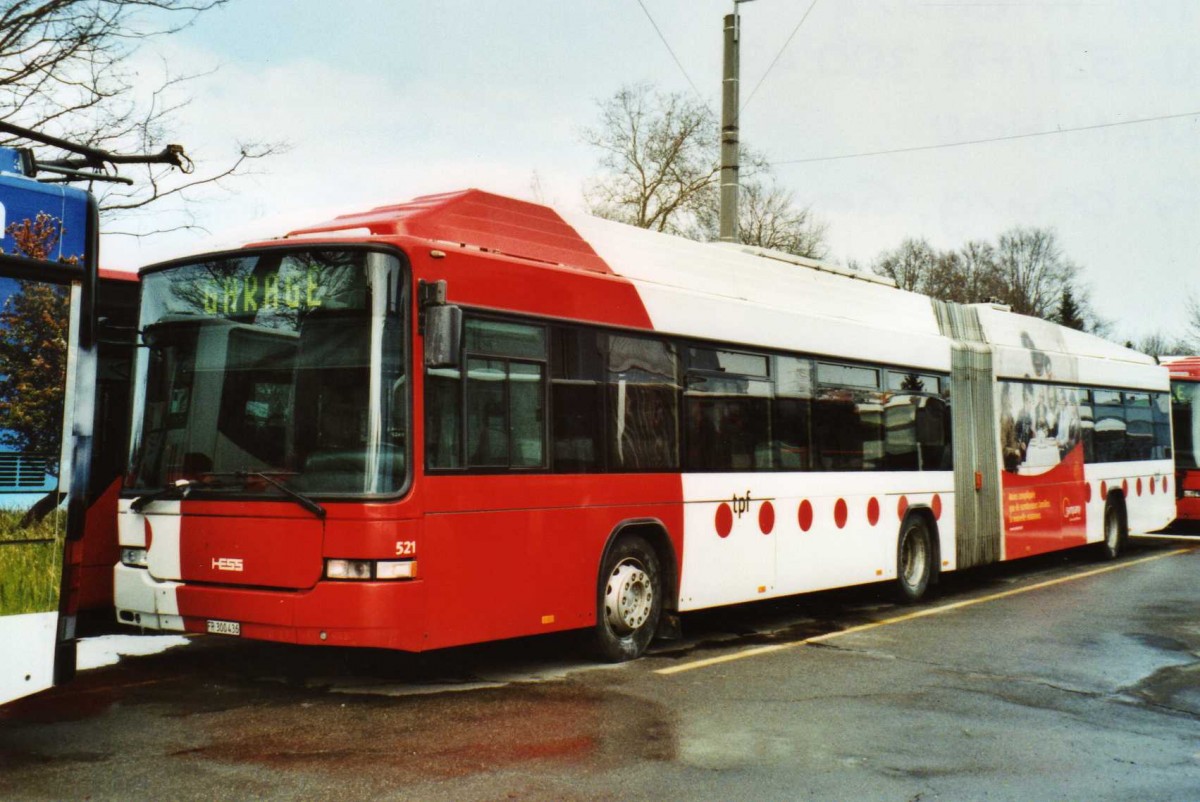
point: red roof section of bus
(476, 218)
(1187, 367)
(117, 275)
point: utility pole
(729, 127)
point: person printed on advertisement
(1067, 430)
(1025, 425)
(1012, 452)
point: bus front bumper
(387, 615)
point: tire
(1114, 532)
(914, 559)
(629, 600)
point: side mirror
(443, 336)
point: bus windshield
(287, 364)
(1185, 414)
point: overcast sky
(383, 101)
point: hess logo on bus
(227, 564)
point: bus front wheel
(629, 600)
(914, 559)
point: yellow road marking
(945, 608)
(1164, 536)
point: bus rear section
(1185, 413)
(47, 264)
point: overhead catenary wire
(987, 140)
(778, 55)
(670, 50)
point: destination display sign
(273, 289)
(249, 294)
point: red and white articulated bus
(1185, 413)
(467, 418)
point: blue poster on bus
(40, 221)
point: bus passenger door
(33, 522)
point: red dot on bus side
(1166, 486)
(805, 516)
(1153, 482)
(1104, 490)
(1087, 492)
(1125, 488)
(901, 507)
(840, 513)
(724, 520)
(1139, 485)
(937, 507)
(149, 531)
(873, 511)
(766, 517)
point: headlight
(370, 569)
(347, 569)
(134, 558)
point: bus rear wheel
(1114, 532)
(914, 559)
(629, 600)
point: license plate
(224, 628)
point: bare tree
(1159, 344)
(769, 217)
(659, 162)
(1192, 334)
(1034, 270)
(910, 266)
(964, 276)
(978, 277)
(66, 69)
(658, 153)
(1025, 269)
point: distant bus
(467, 418)
(1185, 411)
(48, 236)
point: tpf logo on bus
(741, 504)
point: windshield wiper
(301, 499)
(177, 489)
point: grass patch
(30, 572)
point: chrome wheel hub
(628, 597)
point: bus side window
(643, 404)
(848, 419)
(576, 400)
(497, 420)
(727, 401)
(1109, 430)
(1139, 428)
(1087, 424)
(791, 414)
(443, 416)
(1160, 410)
